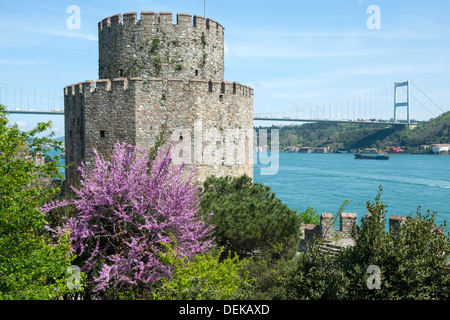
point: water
(62, 161)
(324, 181)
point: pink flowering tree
(127, 208)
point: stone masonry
(151, 72)
(335, 239)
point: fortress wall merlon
(184, 19)
(103, 84)
(326, 225)
(243, 90)
(68, 90)
(120, 84)
(72, 89)
(78, 88)
(395, 223)
(129, 18)
(227, 87)
(213, 25)
(116, 19)
(166, 18)
(148, 17)
(106, 23)
(214, 86)
(117, 84)
(199, 22)
(347, 223)
(88, 86)
(124, 84)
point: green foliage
(203, 40)
(154, 47)
(309, 216)
(314, 277)
(162, 137)
(33, 264)
(359, 136)
(204, 277)
(413, 262)
(268, 272)
(248, 217)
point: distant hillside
(358, 136)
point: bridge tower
(404, 103)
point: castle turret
(154, 71)
(154, 46)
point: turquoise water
(324, 181)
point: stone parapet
(155, 46)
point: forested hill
(358, 136)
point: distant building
(395, 150)
(321, 150)
(292, 149)
(440, 148)
(305, 150)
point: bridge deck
(34, 112)
(285, 119)
(332, 121)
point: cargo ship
(379, 156)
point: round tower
(154, 46)
(153, 71)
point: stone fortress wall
(131, 104)
(155, 47)
(334, 239)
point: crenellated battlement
(347, 221)
(156, 46)
(138, 83)
(342, 237)
(162, 19)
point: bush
(309, 216)
(126, 209)
(33, 264)
(412, 263)
(203, 277)
(248, 218)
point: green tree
(248, 218)
(33, 263)
(309, 216)
(412, 263)
(203, 277)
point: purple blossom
(126, 208)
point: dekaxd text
(231, 309)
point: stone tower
(153, 71)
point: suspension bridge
(390, 105)
(20, 100)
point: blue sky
(293, 53)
